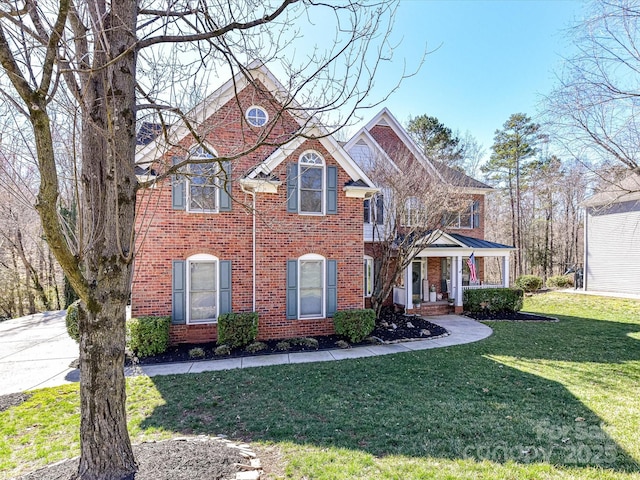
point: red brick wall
(164, 234)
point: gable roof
(385, 118)
(310, 127)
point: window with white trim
(203, 182)
(311, 286)
(414, 214)
(368, 276)
(374, 210)
(257, 116)
(202, 289)
(467, 218)
(311, 183)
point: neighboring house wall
(612, 248)
(166, 235)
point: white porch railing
(399, 296)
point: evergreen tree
(513, 150)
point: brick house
(276, 229)
(443, 263)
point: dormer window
(257, 116)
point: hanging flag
(473, 275)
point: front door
(416, 281)
(445, 279)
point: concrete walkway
(580, 291)
(35, 352)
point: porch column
(457, 270)
(408, 286)
(505, 271)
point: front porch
(434, 282)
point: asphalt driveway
(35, 352)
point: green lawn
(535, 400)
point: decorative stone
(252, 475)
(410, 325)
(394, 326)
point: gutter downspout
(253, 244)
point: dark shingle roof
(477, 243)
(457, 178)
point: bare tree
(106, 63)
(594, 109)
(416, 200)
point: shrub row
(148, 336)
(493, 300)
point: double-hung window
(203, 189)
(311, 289)
(202, 288)
(311, 183)
(414, 214)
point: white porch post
(457, 270)
(505, 271)
(408, 286)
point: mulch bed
(391, 328)
(12, 400)
(509, 316)
(178, 459)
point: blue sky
(492, 59)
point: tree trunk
(102, 392)
(109, 185)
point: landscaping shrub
(560, 281)
(529, 283)
(283, 346)
(256, 347)
(237, 329)
(196, 352)
(356, 325)
(493, 299)
(222, 350)
(148, 335)
(342, 344)
(305, 342)
(72, 319)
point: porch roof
(471, 242)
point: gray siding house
(612, 239)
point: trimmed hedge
(356, 325)
(71, 320)
(148, 335)
(560, 281)
(237, 329)
(493, 299)
(529, 283)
